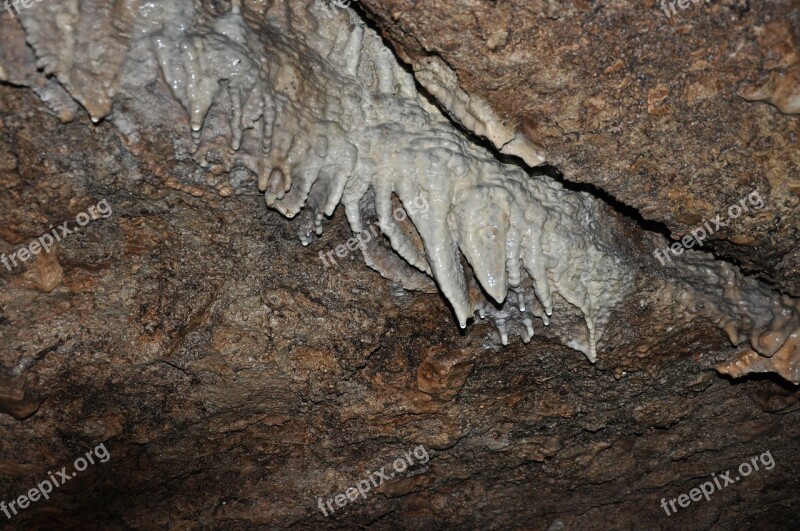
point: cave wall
(669, 115)
(235, 378)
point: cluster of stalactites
(321, 111)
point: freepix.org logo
(17, 3)
(46, 241)
(418, 205)
(374, 480)
(703, 231)
(327, 6)
(45, 487)
(669, 7)
(709, 487)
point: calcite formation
(322, 113)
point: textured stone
(649, 109)
(235, 379)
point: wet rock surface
(678, 117)
(236, 380)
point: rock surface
(652, 110)
(235, 379)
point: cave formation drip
(320, 110)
